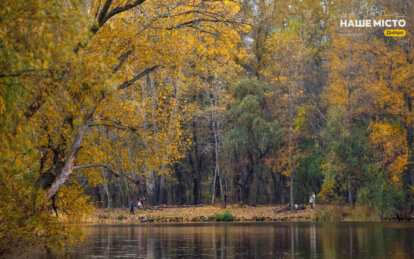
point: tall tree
(254, 133)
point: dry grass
(207, 213)
(363, 213)
(329, 213)
(196, 214)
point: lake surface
(249, 240)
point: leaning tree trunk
(103, 17)
(70, 159)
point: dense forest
(103, 102)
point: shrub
(224, 217)
(120, 216)
(328, 213)
(385, 197)
(329, 193)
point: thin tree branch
(77, 167)
(124, 57)
(106, 14)
(137, 77)
(197, 21)
(116, 126)
(102, 14)
(124, 8)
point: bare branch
(77, 167)
(124, 57)
(137, 77)
(105, 14)
(198, 21)
(22, 72)
(116, 126)
(102, 14)
(124, 8)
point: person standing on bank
(132, 208)
(142, 198)
(312, 200)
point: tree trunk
(282, 189)
(277, 191)
(410, 162)
(291, 194)
(162, 190)
(268, 193)
(196, 165)
(245, 194)
(259, 181)
(120, 192)
(70, 159)
(156, 189)
(350, 199)
(98, 200)
(213, 196)
(216, 154)
(127, 191)
(292, 197)
(181, 188)
(245, 188)
(291, 107)
(291, 191)
(196, 190)
(105, 185)
(217, 166)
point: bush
(385, 197)
(328, 213)
(329, 193)
(224, 217)
(120, 216)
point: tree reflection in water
(248, 240)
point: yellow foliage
(61, 64)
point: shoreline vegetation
(236, 213)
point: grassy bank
(230, 213)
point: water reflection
(248, 240)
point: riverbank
(237, 212)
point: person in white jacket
(312, 200)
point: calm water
(249, 240)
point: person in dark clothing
(132, 208)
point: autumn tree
(75, 64)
